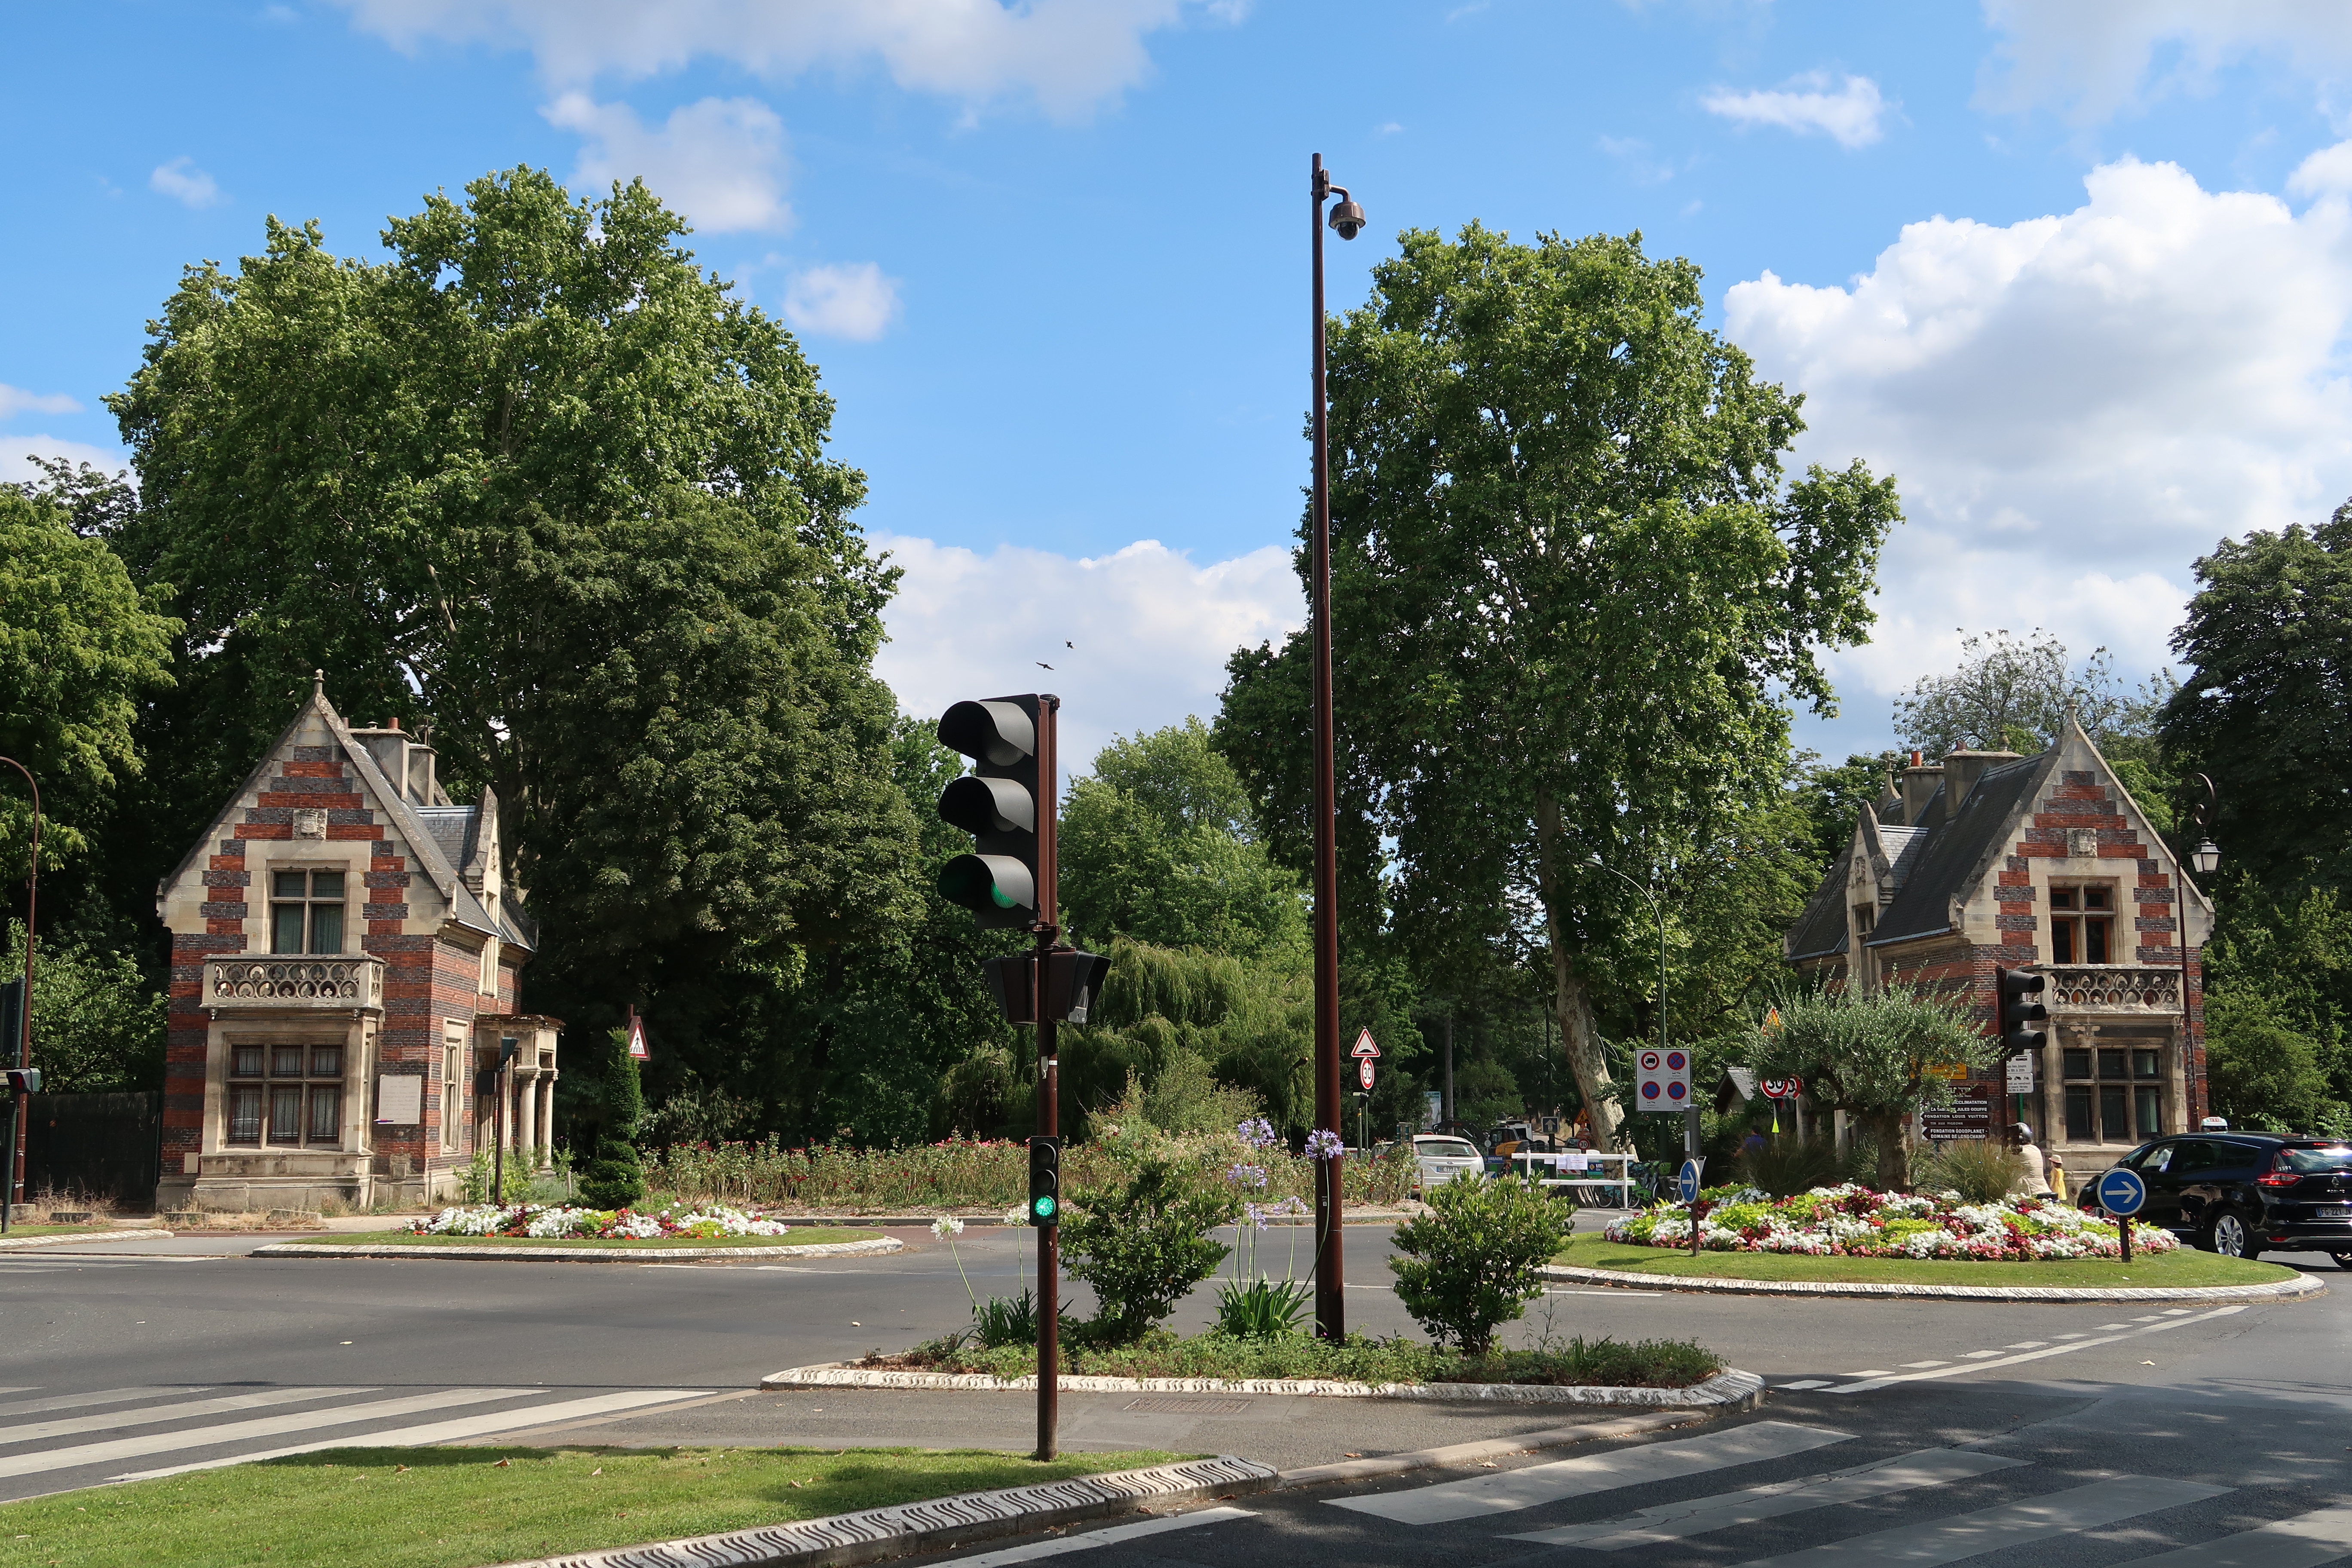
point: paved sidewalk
(1286, 1432)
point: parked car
(2240, 1194)
(1439, 1158)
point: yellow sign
(1950, 1072)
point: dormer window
(2081, 920)
(306, 911)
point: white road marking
(2109, 1328)
(100, 1397)
(261, 1398)
(1092, 1539)
(2026, 1345)
(237, 1431)
(1881, 1380)
(1808, 1383)
(1978, 1356)
(2009, 1524)
(2303, 1541)
(1697, 1516)
(1922, 1364)
(451, 1431)
(1511, 1490)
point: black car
(2239, 1193)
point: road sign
(2020, 1074)
(1364, 1072)
(1967, 1118)
(2122, 1192)
(1662, 1081)
(1364, 1047)
(1686, 1183)
(1783, 1088)
(637, 1052)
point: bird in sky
(1070, 645)
(1043, 665)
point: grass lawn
(456, 1507)
(21, 1228)
(800, 1235)
(2185, 1267)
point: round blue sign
(1686, 1184)
(2122, 1192)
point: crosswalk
(62, 1440)
(2004, 1356)
(1919, 1509)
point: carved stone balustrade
(2111, 988)
(286, 983)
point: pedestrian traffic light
(12, 1013)
(24, 1080)
(997, 804)
(1045, 1181)
(2019, 1009)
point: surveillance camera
(1347, 218)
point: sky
(2077, 275)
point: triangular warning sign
(1364, 1047)
(637, 1052)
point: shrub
(1003, 1321)
(1470, 1264)
(1982, 1171)
(474, 1188)
(1141, 1245)
(615, 1179)
(1261, 1310)
(1787, 1166)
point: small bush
(474, 1188)
(1787, 1166)
(1981, 1171)
(1602, 1363)
(1140, 1246)
(1262, 1310)
(615, 1179)
(1003, 1321)
(1470, 1265)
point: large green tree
(537, 479)
(1572, 597)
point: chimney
(387, 748)
(1920, 781)
(1962, 770)
(422, 759)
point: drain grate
(1190, 1406)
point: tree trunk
(1571, 1002)
(1894, 1151)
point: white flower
(946, 1226)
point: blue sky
(2078, 275)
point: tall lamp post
(1330, 1275)
(2206, 858)
(22, 1107)
(1690, 1115)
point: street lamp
(1690, 1121)
(1331, 1274)
(22, 1107)
(2206, 858)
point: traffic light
(1073, 983)
(12, 1014)
(997, 804)
(1045, 1181)
(24, 1080)
(2019, 1008)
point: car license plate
(2331, 1213)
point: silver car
(1439, 1159)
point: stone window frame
(456, 1034)
(269, 1079)
(2077, 917)
(2142, 1095)
(308, 867)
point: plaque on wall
(1967, 1118)
(400, 1099)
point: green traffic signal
(1043, 1207)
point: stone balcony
(287, 984)
(2111, 988)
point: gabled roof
(1946, 861)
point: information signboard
(1969, 1117)
(1662, 1080)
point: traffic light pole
(22, 1106)
(1330, 1175)
(1049, 1067)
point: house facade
(345, 947)
(1987, 860)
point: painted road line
(1915, 1364)
(1873, 1372)
(1511, 1490)
(1806, 1382)
(2010, 1524)
(2109, 1328)
(1697, 1516)
(97, 1397)
(238, 1431)
(451, 1431)
(2303, 1541)
(186, 1410)
(2026, 1345)
(1882, 1379)
(1116, 1535)
(1978, 1356)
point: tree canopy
(2016, 693)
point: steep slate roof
(1819, 931)
(453, 828)
(1943, 863)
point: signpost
(1662, 1080)
(1686, 1184)
(2122, 1194)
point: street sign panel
(1966, 1119)
(2020, 1074)
(1688, 1182)
(1662, 1081)
(1783, 1088)
(637, 1052)
(2121, 1192)
(1364, 1072)
(1364, 1047)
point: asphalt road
(141, 1356)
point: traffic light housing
(998, 803)
(2019, 1009)
(1045, 1181)
(24, 1080)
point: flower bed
(545, 1222)
(1852, 1221)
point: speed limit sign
(1364, 1072)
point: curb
(846, 1538)
(1726, 1389)
(995, 1219)
(12, 1242)
(2281, 1290)
(1346, 1470)
(579, 1254)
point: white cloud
(15, 449)
(2090, 59)
(15, 400)
(2326, 172)
(1849, 116)
(843, 300)
(1067, 55)
(1153, 631)
(2077, 406)
(182, 182)
(720, 161)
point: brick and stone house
(345, 945)
(1988, 859)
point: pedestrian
(2034, 1180)
(2057, 1176)
(1753, 1144)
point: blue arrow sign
(2122, 1192)
(1686, 1184)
